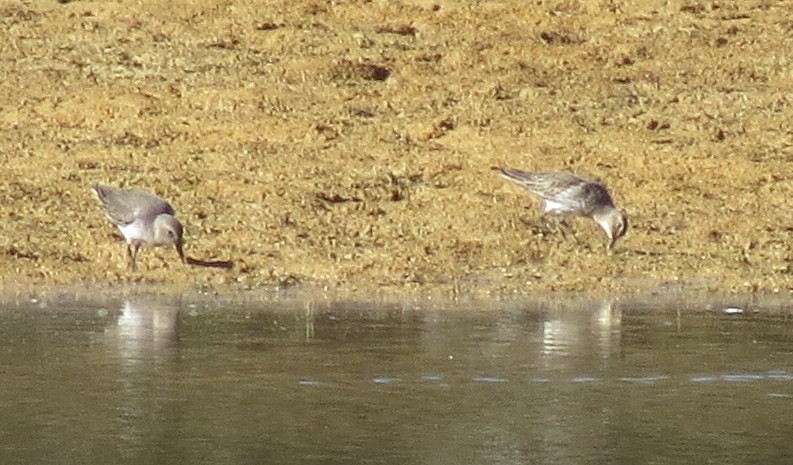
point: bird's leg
(132, 253)
(556, 224)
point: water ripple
(772, 376)
(488, 379)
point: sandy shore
(349, 146)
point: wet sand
(350, 146)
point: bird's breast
(135, 231)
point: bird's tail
(101, 192)
(512, 174)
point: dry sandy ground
(349, 144)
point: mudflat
(350, 144)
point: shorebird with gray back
(143, 219)
(569, 194)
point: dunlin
(570, 194)
(143, 219)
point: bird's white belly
(556, 207)
(134, 231)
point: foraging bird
(143, 219)
(569, 194)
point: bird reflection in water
(147, 330)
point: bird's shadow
(225, 264)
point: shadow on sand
(227, 264)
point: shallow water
(162, 380)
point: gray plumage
(143, 219)
(566, 193)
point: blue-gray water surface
(164, 380)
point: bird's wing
(575, 193)
(563, 192)
(124, 206)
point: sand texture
(349, 144)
